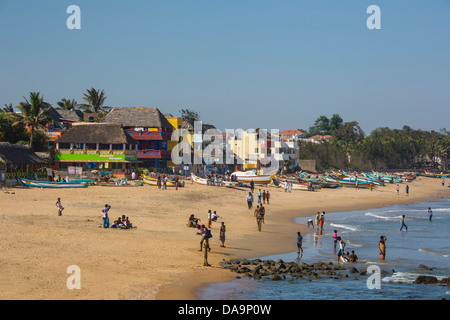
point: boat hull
(154, 182)
(54, 185)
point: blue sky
(241, 63)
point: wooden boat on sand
(45, 184)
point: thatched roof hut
(18, 154)
(70, 115)
(146, 117)
(104, 133)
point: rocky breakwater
(429, 279)
(280, 270)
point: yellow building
(248, 150)
(177, 124)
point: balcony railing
(149, 135)
(152, 153)
(100, 152)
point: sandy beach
(160, 259)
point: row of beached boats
(302, 181)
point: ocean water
(424, 242)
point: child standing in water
(60, 207)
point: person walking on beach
(60, 207)
(256, 212)
(159, 181)
(105, 216)
(206, 250)
(299, 245)
(443, 182)
(398, 190)
(208, 224)
(259, 196)
(165, 182)
(264, 196)
(268, 196)
(382, 246)
(206, 235)
(252, 186)
(403, 224)
(250, 200)
(222, 234)
(262, 211)
(259, 219)
(407, 190)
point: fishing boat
(45, 184)
(205, 181)
(154, 182)
(199, 180)
(346, 182)
(301, 186)
(435, 175)
(249, 176)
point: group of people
(162, 182)
(122, 222)
(397, 190)
(206, 234)
(262, 198)
(320, 221)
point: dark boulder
(424, 267)
(426, 280)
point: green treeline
(384, 148)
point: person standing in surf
(299, 245)
(382, 246)
(403, 224)
(341, 248)
(430, 212)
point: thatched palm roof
(70, 115)
(103, 133)
(146, 117)
(18, 154)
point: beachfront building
(291, 135)
(318, 138)
(177, 124)
(288, 154)
(61, 122)
(250, 148)
(19, 161)
(104, 147)
(150, 129)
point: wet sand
(160, 259)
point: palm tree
(34, 113)
(8, 108)
(65, 104)
(95, 100)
